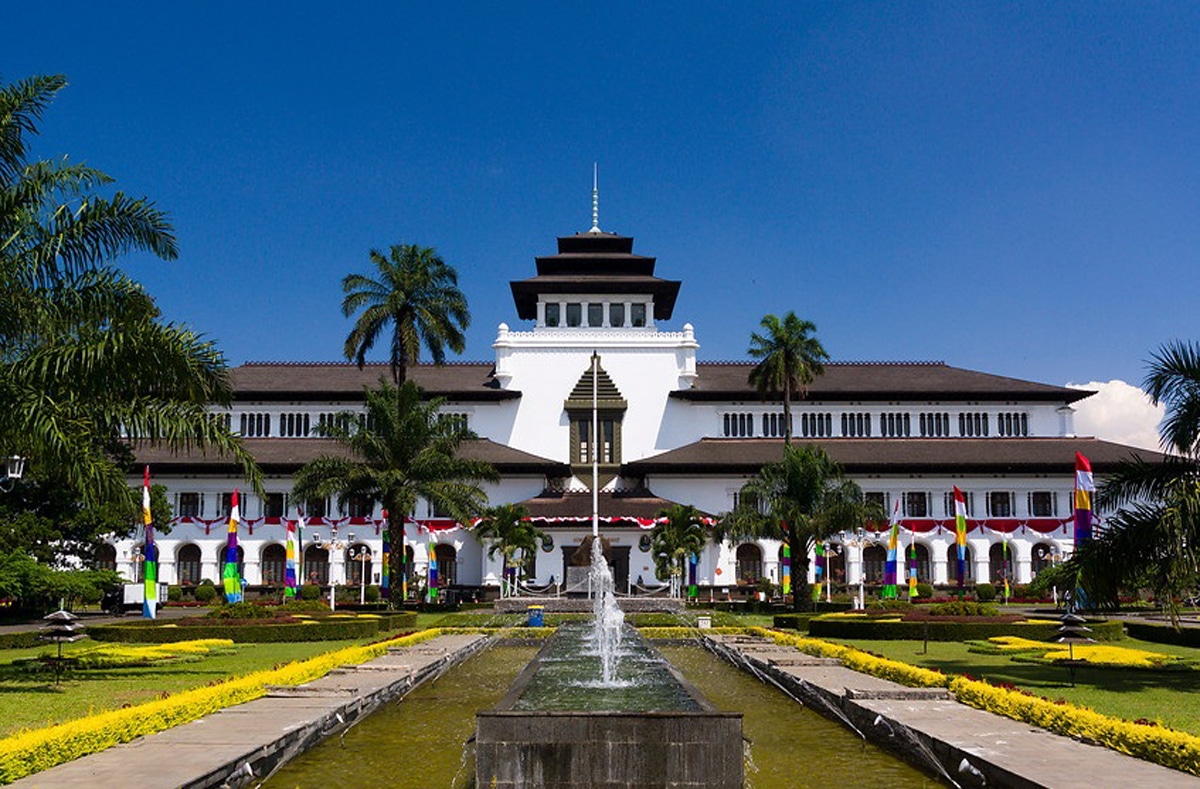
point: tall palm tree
(1153, 540)
(678, 534)
(803, 498)
(510, 531)
(86, 365)
(789, 357)
(400, 450)
(416, 294)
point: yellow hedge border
(1168, 747)
(35, 750)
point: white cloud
(1118, 412)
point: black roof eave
(356, 395)
(665, 292)
(742, 395)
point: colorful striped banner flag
(433, 573)
(785, 571)
(890, 591)
(1085, 486)
(960, 529)
(693, 589)
(290, 582)
(149, 555)
(818, 570)
(385, 571)
(912, 569)
(231, 576)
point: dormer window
(637, 314)
(552, 315)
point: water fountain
(599, 706)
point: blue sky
(1007, 187)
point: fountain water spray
(608, 619)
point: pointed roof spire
(595, 199)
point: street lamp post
(1054, 556)
(861, 541)
(15, 469)
(331, 545)
(361, 556)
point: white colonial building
(672, 428)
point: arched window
(106, 558)
(952, 565)
(749, 563)
(874, 558)
(187, 565)
(1000, 566)
(274, 564)
(447, 565)
(316, 565)
(358, 564)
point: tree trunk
(801, 596)
(397, 578)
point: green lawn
(1168, 697)
(33, 700)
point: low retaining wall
(574, 605)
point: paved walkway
(240, 745)
(928, 723)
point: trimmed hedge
(21, 640)
(1164, 634)
(896, 630)
(1168, 747)
(326, 629)
(793, 621)
(35, 750)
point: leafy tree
(1153, 540)
(674, 539)
(789, 359)
(510, 531)
(400, 450)
(803, 498)
(416, 294)
(85, 361)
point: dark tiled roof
(897, 455)
(637, 503)
(526, 291)
(459, 381)
(875, 381)
(285, 455)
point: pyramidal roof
(595, 263)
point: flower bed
(1105, 655)
(32, 751)
(299, 628)
(1170, 748)
(951, 628)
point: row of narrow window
(299, 424)
(271, 505)
(997, 504)
(1012, 424)
(573, 314)
(889, 425)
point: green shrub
(302, 606)
(328, 630)
(241, 611)
(1164, 634)
(924, 591)
(793, 621)
(885, 630)
(890, 606)
(372, 594)
(963, 608)
(310, 592)
(174, 594)
(985, 592)
(205, 593)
